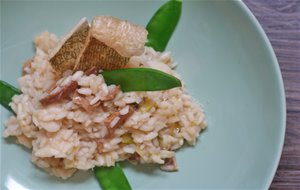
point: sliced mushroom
(99, 146)
(82, 102)
(115, 120)
(169, 165)
(134, 158)
(52, 87)
(112, 94)
(62, 93)
(110, 118)
(26, 65)
(92, 70)
(96, 105)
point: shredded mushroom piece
(26, 65)
(134, 158)
(169, 165)
(82, 102)
(112, 94)
(57, 93)
(64, 92)
(120, 120)
(92, 70)
(99, 146)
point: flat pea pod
(7, 92)
(140, 79)
(112, 178)
(162, 24)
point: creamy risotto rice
(98, 124)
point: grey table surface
(281, 21)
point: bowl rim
(282, 102)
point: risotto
(75, 121)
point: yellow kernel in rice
(146, 105)
(193, 124)
(127, 139)
(69, 163)
(175, 127)
(73, 150)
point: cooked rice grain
(63, 137)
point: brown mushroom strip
(52, 87)
(96, 105)
(82, 102)
(121, 119)
(110, 118)
(112, 94)
(169, 165)
(99, 147)
(92, 70)
(134, 158)
(133, 130)
(26, 65)
(64, 92)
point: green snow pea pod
(112, 178)
(162, 24)
(140, 79)
(7, 92)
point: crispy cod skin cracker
(64, 56)
(110, 44)
(97, 54)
